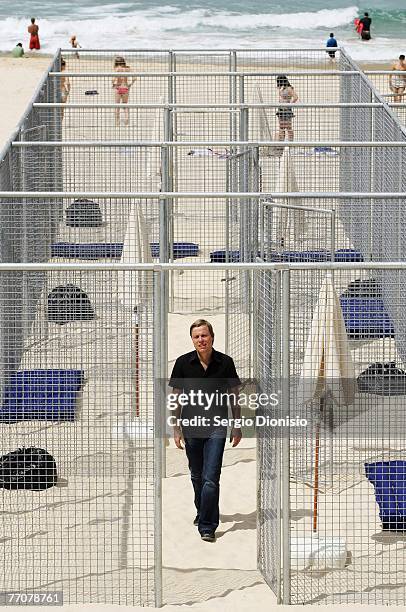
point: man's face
(202, 340)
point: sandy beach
(21, 77)
(197, 576)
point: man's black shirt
(366, 22)
(189, 375)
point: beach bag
(365, 288)
(68, 303)
(84, 213)
(28, 468)
(383, 379)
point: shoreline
(22, 76)
(364, 64)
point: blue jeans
(205, 456)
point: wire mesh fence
(391, 84)
(77, 381)
(327, 484)
(198, 60)
(191, 165)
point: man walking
(205, 381)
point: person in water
(366, 27)
(33, 30)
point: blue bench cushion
(220, 256)
(180, 249)
(292, 256)
(49, 395)
(97, 250)
(348, 255)
(366, 318)
(315, 256)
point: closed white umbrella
(287, 182)
(328, 370)
(136, 249)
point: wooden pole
(316, 468)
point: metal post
(372, 180)
(254, 203)
(158, 340)
(285, 454)
(163, 258)
(276, 367)
(230, 186)
(246, 253)
(230, 178)
(233, 93)
(170, 76)
(167, 185)
(227, 275)
(333, 234)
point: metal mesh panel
(346, 438)
(267, 372)
(97, 543)
(242, 240)
(355, 165)
(102, 61)
(284, 224)
(382, 80)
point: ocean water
(206, 24)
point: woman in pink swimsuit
(122, 87)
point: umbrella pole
(316, 469)
(137, 364)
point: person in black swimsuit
(366, 27)
(285, 114)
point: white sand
(19, 78)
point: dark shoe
(208, 536)
(196, 521)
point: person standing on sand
(397, 82)
(285, 114)
(122, 87)
(212, 374)
(75, 45)
(366, 27)
(65, 86)
(33, 30)
(331, 43)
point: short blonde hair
(200, 323)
